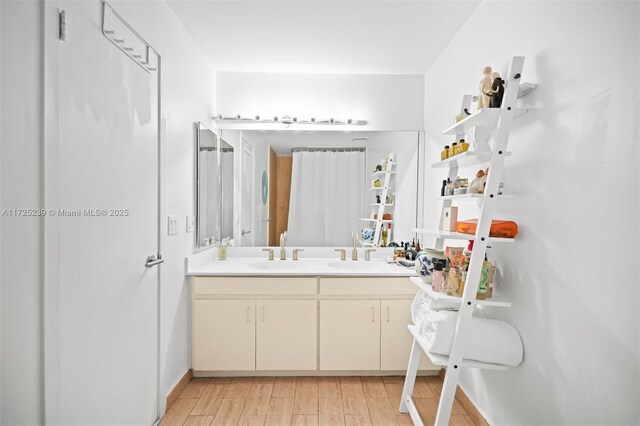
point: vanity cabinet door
(395, 339)
(349, 334)
(286, 334)
(224, 335)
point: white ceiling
(359, 37)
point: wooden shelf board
(441, 296)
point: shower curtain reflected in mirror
(327, 197)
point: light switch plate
(173, 225)
(191, 223)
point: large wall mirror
(319, 186)
(214, 187)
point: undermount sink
(359, 266)
(277, 265)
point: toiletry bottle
(445, 153)
(384, 236)
(461, 284)
(444, 184)
(452, 150)
(447, 188)
(463, 146)
(438, 277)
(483, 285)
(453, 281)
(222, 250)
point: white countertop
(304, 267)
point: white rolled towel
(422, 303)
(487, 340)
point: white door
(224, 335)
(247, 194)
(101, 302)
(349, 334)
(286, 334)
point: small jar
(445, 153)
(452, 150)
(438, 277)
(463, 146)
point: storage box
(449, 218)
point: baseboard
(469, 407)
(308, 373)
(178, 388)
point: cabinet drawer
(366, 286)
(253, 286)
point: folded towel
(422, 303)
(487, 340)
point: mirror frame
(198, 127)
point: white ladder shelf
(379, 208)
(500, 119)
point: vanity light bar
(288, 120)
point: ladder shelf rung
(443, 360)
(493, 302)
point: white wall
(572, 276)
(21, 367)
(188, 86)
(387, 102)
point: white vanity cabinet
(350, 335)
(286, 334)
(235, 330)
(224, 335)
(366, 327)
(395, 339)
(301, 324)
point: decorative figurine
(477, 185)
(485, 88)
(497, 91)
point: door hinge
(62, 33)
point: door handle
(373, 314)
(152, 261)
(262, 313)
(388, 314)
(245, 232)
(248, 310)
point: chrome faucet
(367, 254)
(283, 250)
(354, 250)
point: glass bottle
(453, 281)
(452, 150)
(445, 153)
(222, 250)
(438, 277)
(384, 236)
(463, 146)
(462, 282)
